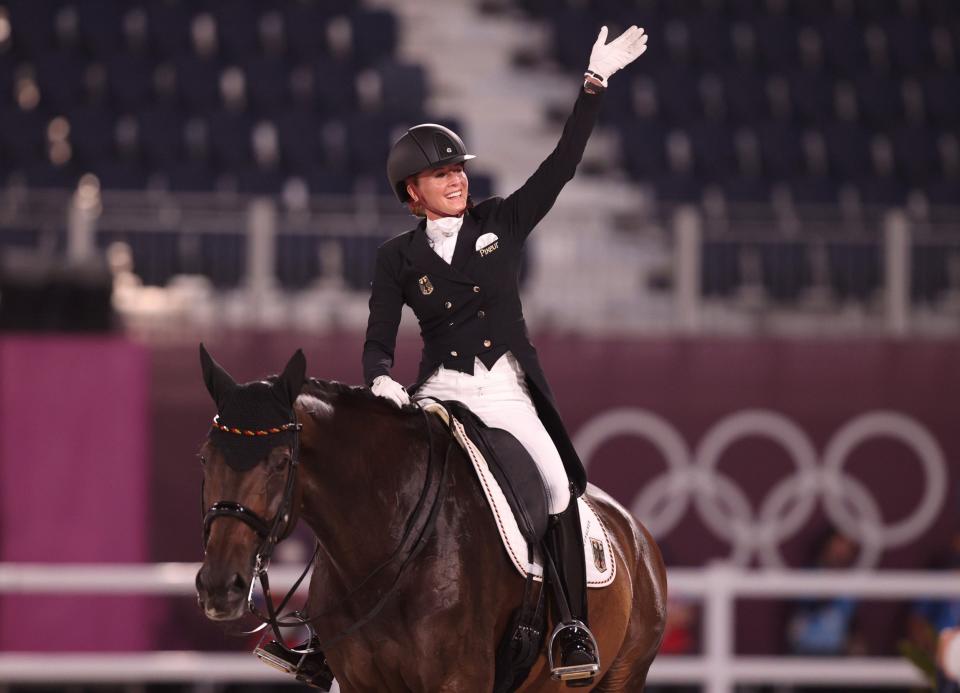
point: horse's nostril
(239, 584)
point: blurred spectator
(680, 636)
(826, 627)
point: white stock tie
(442, 235)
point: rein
(418, 529)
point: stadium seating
(847, 101)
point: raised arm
(531, 201)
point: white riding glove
(388, 388)
(607, 58)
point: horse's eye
(280, 462)
(203, 460)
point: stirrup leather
(576, 671)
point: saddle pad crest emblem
(599, 555)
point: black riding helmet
(422, 147)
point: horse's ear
(291, 380)
(218, 381)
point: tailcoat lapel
(424, 257)
(466, 241)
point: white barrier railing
(719, 669)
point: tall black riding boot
(579, 659)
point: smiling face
(442, 191)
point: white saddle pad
(601, 564)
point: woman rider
(458, 270)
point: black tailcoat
(471, 307)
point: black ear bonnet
(256, 414)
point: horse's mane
(332, 391)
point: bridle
(418, 530)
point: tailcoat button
(453, 353)
(448, 305)
(481, 314)
(487, 343)
(476, 289)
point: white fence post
(82, 215)
(261, 246)
(896, 245)
(686, 267)
(719, 629)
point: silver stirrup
(274, 661)
(576, 671)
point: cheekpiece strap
(259, 432)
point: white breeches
(500, 398)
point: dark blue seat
(374, 35)
(236, 29)
(333, 84)
(369, 141)
(843, 46)
(299, 139)
(198, 83)
(129, 81)
(814, 190)
(943, 192)
(941, 91)
(92, 135)
(305, 29)
(43, 174)
(643, 149)
(121, 175)
(915, 153)
(161, 136)
(573, 36)
(266, 83)
(168, 24)
(230, 144)
(222, 257)
(22, 137)
(720, 268)
(776, 39)
(324, 180)
(256, 180)
(404, 90)
(32, 27)
(746, 190)
(879, 98)
(298, 260)
(785, 268)
(99, 26)
(745, 94)
(909, 45)
(60, 78)
(709, 40)
(854, 268)
(677, 95)
(677, 188)
(881, 193)
(780, 149)
(713, 151)
(190, 176)
(929, 273)
(848, 150)
(812, 95)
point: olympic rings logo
(693, 477)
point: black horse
(411, 588)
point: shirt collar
(442, 228)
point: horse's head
(249, 473)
